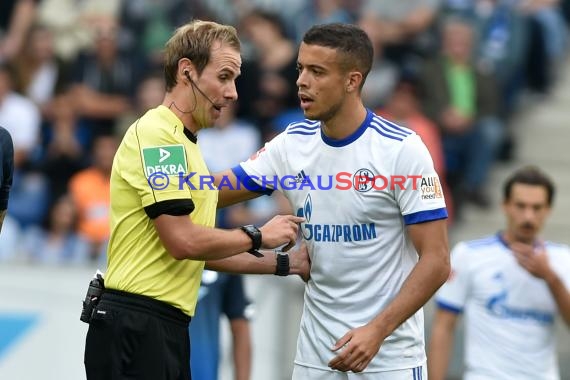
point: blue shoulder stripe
(393, 125)
(302, 133)
(304, 125)
(385, 134)
(387, 130)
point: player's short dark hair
(351, 41)
(529, 175)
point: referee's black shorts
(136, 337)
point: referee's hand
(280, 231)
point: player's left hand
(357, 348)
(533, 259)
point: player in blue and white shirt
(6, 171)
(364, 235)
(511, 287)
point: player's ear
(353, 81)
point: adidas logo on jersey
(302, 177)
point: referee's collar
(192, 137)
(175, 120)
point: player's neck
(345, 122)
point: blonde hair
(194, 41)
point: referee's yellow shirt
(146, 171)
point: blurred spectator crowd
(75, 74)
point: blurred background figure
(511, 286)
(74, 23)
(383, 75)
(21, 117)
(318, 12)
(104, 82)
(145, 25)
(407, 28)
(16, 18)
(404, 108)
(462, 100)
(221, 296)
(40, 74)
(267, 84)
(89, 190)
(56, 242)
(149, 94)
(64, 140)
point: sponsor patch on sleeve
(430, 188)
(167, 159)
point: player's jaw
(315, 108)
(526, 232)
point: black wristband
(255, 235)
(282, 268)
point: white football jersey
(357, 195)
(509, 314)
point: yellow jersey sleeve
(153, 163)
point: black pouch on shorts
(93, 296)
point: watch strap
(255, 235)
(282, 268)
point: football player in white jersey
(511, 287)
(374, 217)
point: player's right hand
(280, 231)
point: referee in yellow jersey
(162, 217)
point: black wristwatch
(255, 235)
(282, 268)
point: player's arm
(431, 271)
(561, 295)
(248, 180)
(184, 239)
(441, 343)
(7, 168)
(229, 191)
(241, 344)
(244, 263)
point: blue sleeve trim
(247, 181)
(448, 307)
(425, 216)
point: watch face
(252, 230)
(254, 234)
